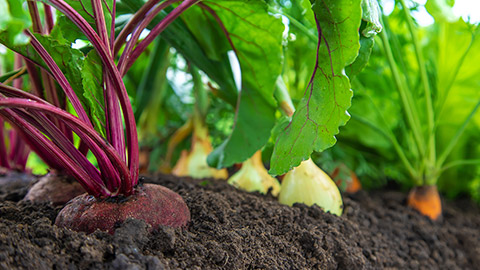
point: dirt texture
(14, 185)
(232, 229)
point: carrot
(346, 179)
(426, 200)
(354, 185)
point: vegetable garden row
(263, 94)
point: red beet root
(55, 189)
(154, 204)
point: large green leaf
(257, 38)
(207, 32)
(324, 106)
(13, 20)
(254, 121)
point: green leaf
(92, 78)
(74, 66)
(369, 28)
(324, 106)
(67, 29)
(13, 20)
(255, 118)
(441, 10)
(366, 45)
(179, 36)
(68, 59)
(301, 47)
(281, 123)
(84, 8)
(207, 31)
(457, 71)
(257, 38)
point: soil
(231, 229)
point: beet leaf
(326, 100)
(256, 38)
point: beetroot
(55, 189)
(154, 204)
(48, 123)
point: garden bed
(231, 229)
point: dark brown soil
(231, 229)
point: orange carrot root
(354, 185)
(426, 200)
(346, 179)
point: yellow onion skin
(254, 177)
(194, 163)
(308, 184)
